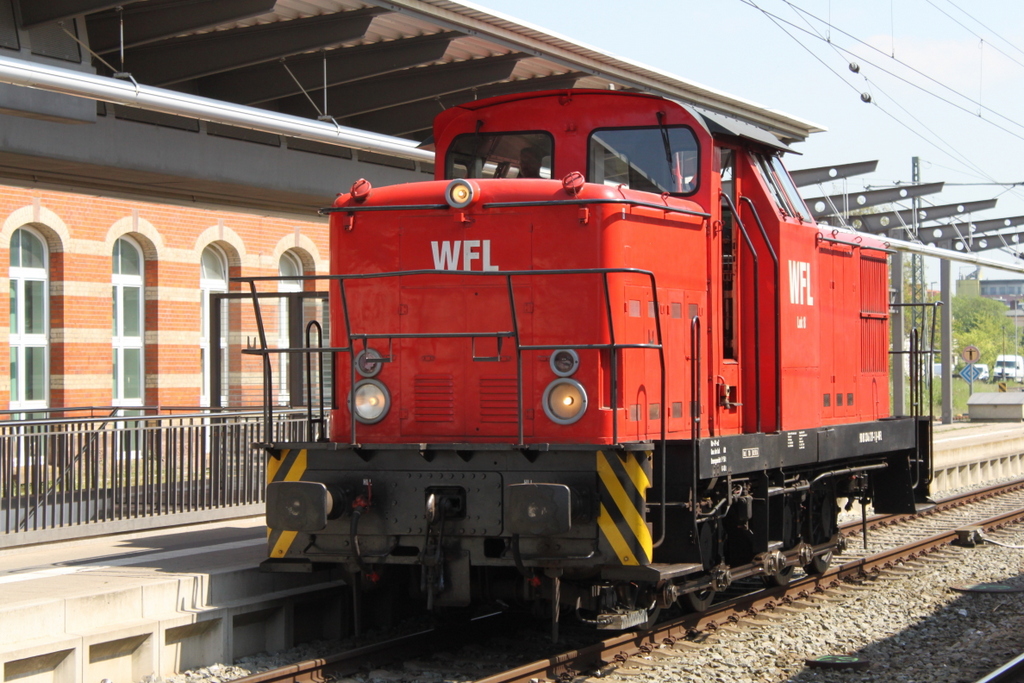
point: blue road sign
(971, 372)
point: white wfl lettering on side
(446, 255)
(800, 288)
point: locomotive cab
(603, 361)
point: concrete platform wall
(976, 461)
(166, 626)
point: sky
(945, 78)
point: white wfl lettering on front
(800, 283)
(446, 255)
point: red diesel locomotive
(605, 362)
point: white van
(1009, 368)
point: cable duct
(65, 81)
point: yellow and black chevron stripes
(622, 488)
(290, 465)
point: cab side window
(500, 155)
(661, 159)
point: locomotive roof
(716, 123)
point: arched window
(128, 324)
(213, 279)
(29, 321)
(288, 266)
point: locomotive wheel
(819, 564)
(652, 618)
(698, 601)
(781, 578)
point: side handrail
(320, 420)
(778, 311)
(268, 394)
(695, 404)
(757, 305)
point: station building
(108, 302)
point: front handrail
(320, 421)
(351, 336)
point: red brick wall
(80, 232)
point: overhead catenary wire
(949, 149)
(909, 67)
(986, 27)
(952, 151)
(850, 53)
(974, 33)
(776, 20)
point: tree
(982, 322)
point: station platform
(972, 453)
(129, 606)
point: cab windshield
(500, 155)
(782, 187)
(661, 159)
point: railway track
(892, 540)
(1011, 672)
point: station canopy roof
(389, 66)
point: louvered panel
(874, 306)
(498, 400)
(434, 398)
(873, 351)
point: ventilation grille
(50, 40)
(499, 400)
(8, 29)
(434, 398)
(874, 347)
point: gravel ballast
(910, 626)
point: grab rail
(778, 312)
(351, 336)
(757, 308)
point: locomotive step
(653, 573)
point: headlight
(460, 193)
(564, 362)
(565, 401)
(370, 401)
(368, 363)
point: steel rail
(618, 649)
(1011, 672)
(943, 504)
(349, 662)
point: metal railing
(122, 472)
(351, 338)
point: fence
(78, 477)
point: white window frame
(208, 286)
(288, 258)
(120, 341)
(19, 340)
